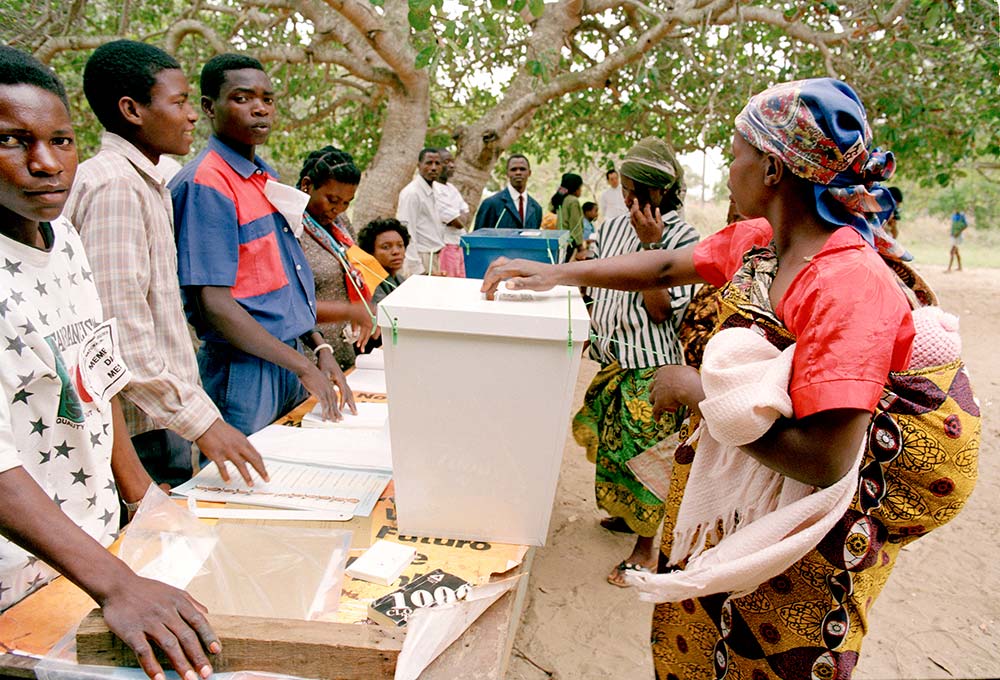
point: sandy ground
(939, 616)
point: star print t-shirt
(48, 306)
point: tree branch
(68, 43)
(590, 77)
(324, 54)
(292, 123)
(181, 29)
(393, 46)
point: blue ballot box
(483, 246)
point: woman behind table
(633, 334)
(569, 215)
(386, 239)
(331, 179)
(806, 274)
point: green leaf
(424, 56)
(498, 4)
(943, 178)
(378, 3)
(420, 21)
(535, 68)
(537, 7)
(519, 5)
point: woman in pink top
(815, 268)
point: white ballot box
(479, 394)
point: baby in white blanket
(768, 521)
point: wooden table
(481, 653)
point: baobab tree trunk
(403, 133)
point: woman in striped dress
(634, 333)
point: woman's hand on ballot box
(519, 275)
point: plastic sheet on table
(235, 568)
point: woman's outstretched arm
(635, 271)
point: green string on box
(569, 320)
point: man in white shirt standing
(611, 203)
(418, 210)
(454, 214)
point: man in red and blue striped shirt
(248, 289)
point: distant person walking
(958, 226)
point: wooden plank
(312, 649)
(17, 666)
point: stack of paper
(371, 415)
(375, 360)
(367, 381)
(336, 470)
(362, 448)
(301, 487)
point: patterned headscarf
(651, 162)
(819, 129)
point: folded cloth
(766, 521)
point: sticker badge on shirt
(101, 372)
(289, 201)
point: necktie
(520, 207)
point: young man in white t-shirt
(64, 446)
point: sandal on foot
(620, 570)
(616, 524)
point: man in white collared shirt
(418, 211)
(611, 203)
(511, 208)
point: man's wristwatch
(131, 507)
(652, 246)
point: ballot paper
(367, 380)
(294, 486)
(352, 447)
(370, 415)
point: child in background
(589, 218)
(590, 214)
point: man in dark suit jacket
(511, 207)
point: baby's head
(937, 341)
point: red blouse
(851, 322)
